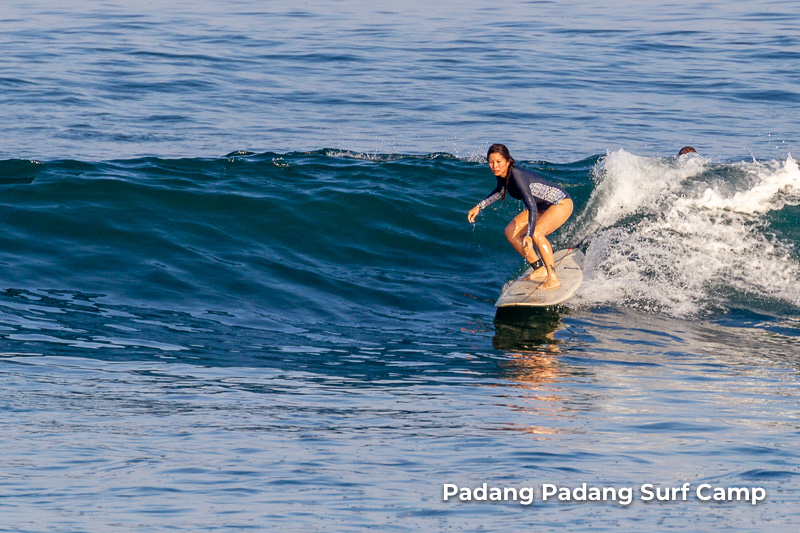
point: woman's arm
(493, 196)
(530, 204)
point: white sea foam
(772, 189)
(627, 183)
(678, 235)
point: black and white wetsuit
(535, 192)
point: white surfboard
(521, 292)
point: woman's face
(498, 164)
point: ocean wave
(684, 236)
(339, 235)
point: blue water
(239, 290)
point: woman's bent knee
(513, 231)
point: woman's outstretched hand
(473, 213)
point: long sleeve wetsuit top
(535, 192)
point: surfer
(686, 150)
(548, 206)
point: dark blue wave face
(340, 247)
(280, 232)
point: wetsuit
(535, 192)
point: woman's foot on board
(549, 284)
(540, 274)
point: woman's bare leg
(515, 231)
(549, 221)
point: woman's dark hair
(502, 149)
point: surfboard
(521, 292)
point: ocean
(239, 289)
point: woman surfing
(547, 205)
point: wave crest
(683, 236)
